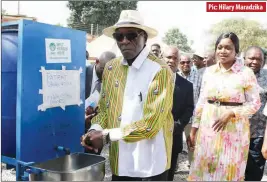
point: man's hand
(93, 140)
(89, 114)
(221, 123)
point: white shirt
(140, 159)
(147, 157)
(94, 79)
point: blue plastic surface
(39, 132)
(36, 133)
(9, 92)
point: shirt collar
(94, 74)
(183, 75)
(139, 60)
(236, 67)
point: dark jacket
(88, 79)
(183, 106)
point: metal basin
(73, 167)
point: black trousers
(256, 162)
(176, 149)
(160, 177)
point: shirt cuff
(96, 127)
(115, 134)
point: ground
(10, 175)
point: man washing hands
(135, 106)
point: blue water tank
(9, 92)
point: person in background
(264, 146)
(135, 108)
(209, 58)
(87, 55)
(94, 73)
(198, 58)
(186, 72)
(254, 59)
(156, 50)
(93, 82)
(183, 106)
(220, 132)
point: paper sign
(61, 88)
(58, 51)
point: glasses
(129, 36)
(183, 62)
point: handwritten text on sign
(60, 88)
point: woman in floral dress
(220, 131)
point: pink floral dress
(222, 156)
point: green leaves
(174, 37)
(102, 13)
(250, 32)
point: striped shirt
(135, 105)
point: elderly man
(155, 49)
(94, 73)
(194, 77)
(183, 106)
(135, 106)
(254, 58)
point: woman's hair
(231, 36)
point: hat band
(127, 22)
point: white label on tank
(60, 88)
(58, 51)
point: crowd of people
(149, 97)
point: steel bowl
(73, 167)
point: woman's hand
(221, 123)
(191, 139)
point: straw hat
(130, 18)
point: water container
(9, 92)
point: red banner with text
(236, 6)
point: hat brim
(151, 33)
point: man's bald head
(254, 48)
(185, 64)
(171, 56)
(101, 62)
(106, 56)
(254, 58)
(171, 50)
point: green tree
(249, 32)
(59, 24)
(101, 13)
(174, 37)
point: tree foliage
(59, 24)
(103, 13)
(174, 37)
(249, 32)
